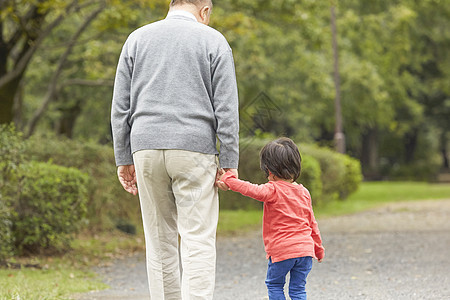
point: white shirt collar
(182, 13)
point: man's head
(201, 9)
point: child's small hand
(320, 260)
(220, 173)
(219, 183)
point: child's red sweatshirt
(289, 227)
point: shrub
(108, 204)
(12, 155)
(50, 207)
(422, 170)
(12, 149)
(352, 178)
(333, 170)
(310, 177)
(6, 237)
(341, 174)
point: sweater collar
(182, 13)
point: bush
(108, 203)
(12, 155)
(50, 207)
(352, 178)
(6, 237)
(12, 149)
(341, 174)
(41, 204)
(422, 170)
(310, 177)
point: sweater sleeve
(261, 192)
(319, 250)
(120, 109)
(226, 108)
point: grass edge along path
(375, 194)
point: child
(290, 231)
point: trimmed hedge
(12, 149)
(310, 176)
(6, 236)
(341, 174)
(41, 205)
(108, 203)
(51, 206)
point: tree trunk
(410, 143)
(7, 95)
(369, 155)
(68, 118)
(339, 137)
(444, 150)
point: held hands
(127, 177)
(220, 172)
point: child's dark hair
(282, 158)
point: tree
(23, 28)
(27, 26)
(339, 137)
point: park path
(398, 251)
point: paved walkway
(400, 251)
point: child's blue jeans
(276, 277)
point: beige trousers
(178, 197)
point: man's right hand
(127, 177)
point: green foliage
(12, 154)
(340, 174)
(310, 176)
(107, 203)
(11, 157)
(352, 177)
(6, 237)
(51, 206)
(393, 59)
(421, 170)
(41, 204)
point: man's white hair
(195, 2)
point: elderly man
(175, 91)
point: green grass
(65, 275)
(374, 194)
(46, 284)
(238, 221)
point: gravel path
(399, 251)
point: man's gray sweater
(175, 88)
